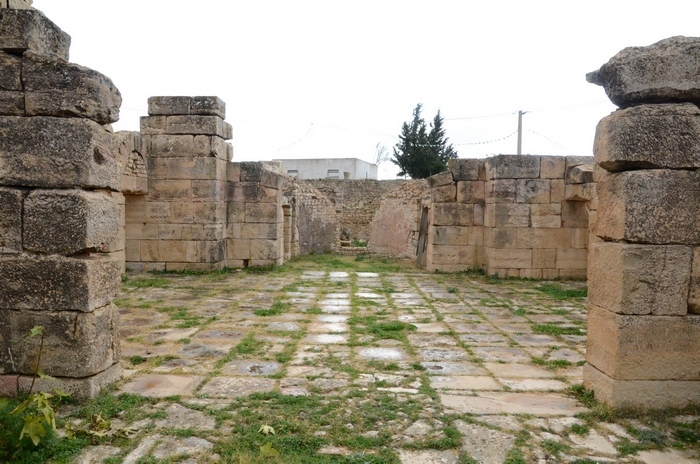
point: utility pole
(520, 131)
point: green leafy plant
(267, 451)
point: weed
(552, 329)
(277, 308)
(148, 282)
(558, 292)
(247, 345)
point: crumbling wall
(644, 272)
(513, 216)
(180, 223)
(314, 222)
(395, 226)
(59, 211)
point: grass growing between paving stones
(559, 292)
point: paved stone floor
(359, 362)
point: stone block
(259, 230)
(467, 169)
(643, 347)
(208, 190)
(550, 274)
(9, 384)
(513, 167)
(544, 258)
(167, 190)
(452, 214)
(573, 274)
(640, 279)
(210, 232)
(507, 215)
(11, 220)
(501, 191)
(574, 161)
(530, 274)
(498, 237)
(263, 212)
(649, 206)
(694, 294)
(235, 212)
(557, 190)
(552, 167)
(79, 389)
(441, 179)
(508, 258)
(580, 192)
(640, 394)
(532, 191)
(54, 87)
(649, 137)
(261, 249)
(251, 171)
(449, 235)
(11, 76)
(55, 283)
(57, 152)
(186, 168)
(11, 103)
(664, 72)
(479, 214)
(444, 193)
(544, 238)
(574, 215)
(133, 250)
(202, 106)
(471, 192)
(580, 238)
(212, 251)
(572, 259)
(76, 344)
(207, 212)
(69, 221)
(28, 29)
(233, 172)
(546, 215)
(582, 174)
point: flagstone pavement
(487, 361)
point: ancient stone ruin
(643, 323)
(80, 204)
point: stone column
(180, 223)
(644, 273)
(59, 212)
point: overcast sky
(313, 79)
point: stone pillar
(255, 226)
(644, 273)
(180, 223)
(59, 211)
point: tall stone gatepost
(644, 276)
(59, 184)
(180, 223)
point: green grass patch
(277, 308)
(148, 282)
(248, 345)
(559, 292)
(553, 329)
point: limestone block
(233, 172)
(11, 220)
(649, 206)
(76, 344)
(501, 191)
(9, 385)
(29, 29)
(210, 232)
(574, 214)
(550, 274)
(544, 238)
(507, 215)
(498, 237)
(573, 161)
(57, 152)
(643, 347)
(445, 255)
(452, 214)
(544, 258)
(580, 238)
(573, 274)
(134, 185)
(444, 193)
(513, 167)
(530, 274)
(202, 106)
(69, 221)
(664, 72)
(208, 190)
(479, 214)
(532, 191)
(546, 215)
(572, 259)
(166, 190)
(580, 192)
(213, 251)
(640, 394)
(16, 4)
(54, 87)
(552, 167)
(557, 190)
(251, 171)
(207, 212)
(639, 279)
(252, 192)
(467, 169)
(263, 212)
(78, 389)
(476, 235)
(238, 249)
(11, 76)
(187, 168)
(133, 250)
(261, 249)
(471, 192)
(694, 294)
(438, 180)
(449, 235)
(11, 103)
(508, 258)
(582, 174)
(56, 283)
(235, 212)
(185, 125)
(259, 230)
(649, 137)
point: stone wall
(181, 221)
(644, 275)
(314, 218)
(513, 216)
(59, 211)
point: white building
(334, 168)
